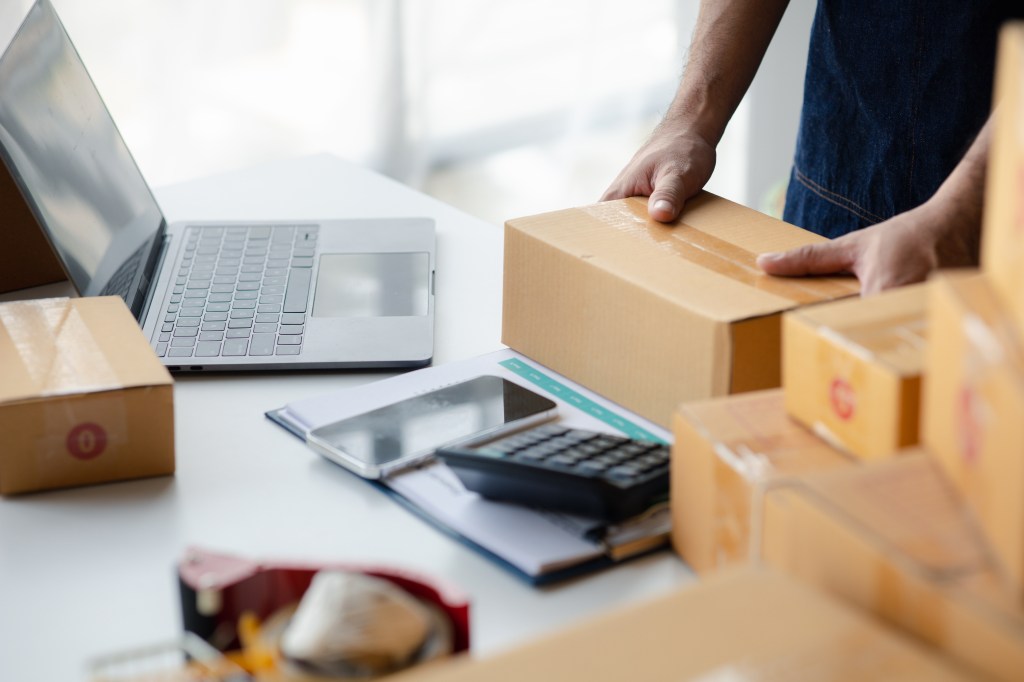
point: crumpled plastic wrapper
(350, 625)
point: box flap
(889, 328)
(704, 262)
(61, 346)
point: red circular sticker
(87, 441)
(843, 398)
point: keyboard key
(161, 349)
(271, 299)
(218, 307)
(208, 349)
(267, 317)
(235, 347)
(179, 353)
(211, 336)
(187, 322)
(264, 328)
(165, 336)
(290, 329)
(302, 262)
(248, 286)
(272, 290)
(288, 350)
(213, 326)
(268, 308)
(238, 333)
(298, 290)
(219, 298)
(190, 312)
(183, 342)
(247, 296)
(293, 318)
(239, 324)
(168, 326)
(242, 313)
(261, 344)
(215, 317)
(222, 288)
(243, 305)
(289, 340)
(186, 331)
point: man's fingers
(668, 197)
(827, 258)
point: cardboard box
(852, 369)
(652, 315)
(973, 419)
(892, 538)
(26, 259)
(746, 625)
(1002, 236)
(725, 452)
(83, 398)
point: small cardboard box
(1002, 236)
(892, 538)
(651, 315)
(83, 398)
(852, 369)
(973, 416)
(725, 451)
(26, 259)
(738, 625)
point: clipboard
(537, 546)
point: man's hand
(943, 232)
(670, 168)
(901, 250)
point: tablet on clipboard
(377, 443)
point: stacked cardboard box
(931, 542)
(740, 625)
(852, 370)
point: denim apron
(895, 92)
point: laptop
(237, 295)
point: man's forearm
(729, 42)
(961, 197)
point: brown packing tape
(715, 254)
(887, 340)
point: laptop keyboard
(240, 291)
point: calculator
(572, 470)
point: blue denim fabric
(895, 92)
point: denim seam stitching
(835, 198)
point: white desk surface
(89, 571)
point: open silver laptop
(212, 295)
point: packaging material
(26, 259)
(740, 625)
(83, 398)
(851, 370)
(651, 315)
(973, 419)
(892, 538)
(725, 451)
(1002, 237)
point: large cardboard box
(83, 398)
(746, 625)
(852, 369)
(726, 451)
(973, 419)
(26, 258)
(1002, 237)
(892, 538)
(651, 315)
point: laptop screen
(64, 151)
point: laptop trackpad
(372, 285)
